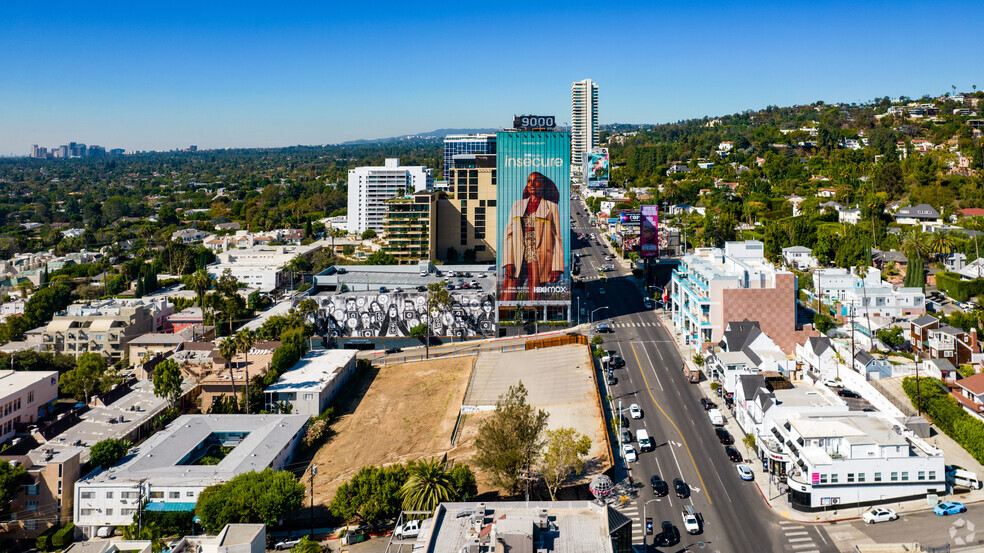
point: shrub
(934, 400)
(43, 542)
(957, 288)
(63, 537)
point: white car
(745, 473)
(690, 521)
(407, 530)
(287, 544)
(879, 514)
(634, 411)
(630, 453)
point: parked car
(669, 536)
(409, 529)
(733, 453)
(616, 362)
(832, 383)
(724, 436)
(342, 270)
(879, 514)
(949, 508)
(604, 329)
(627, 436)
(612, 380)
(394, 350)
(681, 488)
(630, 453)
(707, 404)
(660, 488)
(634, 411)
(844, 392)
(287, 543)
(745, 473)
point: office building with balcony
(466, 144)
(714, 286)
(410, 227)
(467, 216)
(104, 327)
(370, 187)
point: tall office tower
(370, 187)
(584, 120)
(458, 144)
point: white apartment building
(25, 397)
(584, 120)
(259, 267)
(165, 469)
(313, 382)
(869, 296)
(370, 187)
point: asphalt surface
(735, 516)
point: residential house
(25, 398)
(914, 215)
(851, 216)
(869, 296)
(936, 340)
(826, 192)
(969, 393)
(799, 257)
(189, 235)
(872, 367)
(677, 168)
(818, 353)
(954, 262)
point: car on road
(608, 258)
(681, 488)
(612, 380)
(949, 508)
(648, 303)
(832, 383)
(630, 453)
(691, 522)
(724, 436)
(879, 514)
(745, 473)
(627, 436)
(287, 543)
(601, 291)
(844, 392)
(660, 489)
(394, 350)
(604, 329)
(625, 420)
(707, 404)
(616, 362)
(669, 536)
(407, 530)
(634, 411)
(733, 453)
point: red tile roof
(972, 212)
(973, 384)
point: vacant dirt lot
(403, 412)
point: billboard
(629, 218)
(393, 314)
(595, 168)
(533, 217)
(533, 122)
(648, 231)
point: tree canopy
(509, 442)
(254, 497)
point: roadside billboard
(648, 231)
(595, 168)
(533, 217)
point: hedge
(64, 537)
(947, 414)
(958, 289)
(43, 541)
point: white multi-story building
(25, 397)
(370, 187)
(104, 327)
(584, 120)
(259, 267)
(313, 382)
(167, 472)
(869, 296)
(799, 257)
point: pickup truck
(691, 520)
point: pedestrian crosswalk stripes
(632, 325)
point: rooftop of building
(808, 396)
(257, 439)
(12, 381)
(314, 370)
(372, 277)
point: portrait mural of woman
(533, 244)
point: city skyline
(142, 78)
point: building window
(30, 396)
(860, 477)
(109, 512)
(877, 477)
(190, 494)
(157, 495)
(31, 524)
(32, 489)
(823, 478)
(850, 477)
(130, 495)
(905, 476)
(921, 475)
(87, 495)
(833, 478)
(109, 495)
(895, 477)
(85, 512)
(174, 495)
(126, 512)
(932, 475)
(32, 505)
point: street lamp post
(591, 318)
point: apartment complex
(410, 227)
(312, 383)
(260, 267)
(867, 296)
(466, 144)
(370, 187)
(104, 327)
(25, 397)
(584, 119)
(467, 218)
(714, 286)
(46, 498)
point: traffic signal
(649, 526)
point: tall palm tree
(914, 242)
(940, 244)
(428, 485)
(227, 349)
(200, 282)
(24, 286)
(244, 341)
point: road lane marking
(792, 540)
(648, 358)
(682, 439)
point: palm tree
(428, 485)
(244, 341)
(914, 242)
(200, 282)
(227, 349)
(24, 286)
(940, 244)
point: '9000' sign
(529, 122)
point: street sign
(649, 526)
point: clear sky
(163, 75)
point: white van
(717, 419)
(645, 444)
(964, 479)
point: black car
(602, 329)
(625, 421)
(612, 380)
(394, 350)
(706, 404)
(421, 288)
(681, 488)
(844, 392)
(724, 436)
(733, 454)
(668, 537)
(660, 488)
(616, 362)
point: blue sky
(162, 75)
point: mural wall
(393, 314)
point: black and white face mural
(393, 314)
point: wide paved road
(736, 518)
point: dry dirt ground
(402, 412)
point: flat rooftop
(808, 396)
(361, 278)
(314, 370)
(574, 527)
(12, 382)
(259, 440)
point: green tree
(228, 350)
(306, 545)
(107, 452)
(381, 258)
(891, 337)
(563, 457)
(200, 282)
(368, 234)
(373, 494)
(89, 377)
(428, 484)
(822, 322)
(509, 441)
(167, 381)
(464, 481)
(254, 497)
(438, 300)
(11, 479)
(244, 342)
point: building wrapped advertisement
(648, 231)
(533, 200)
(595, 168)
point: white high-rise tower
(584, 119)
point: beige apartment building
(466, 219)
(103, 327)
(410, 226)
(48, 495)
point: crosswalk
(797, 537)
(632, 325)
(632, 511)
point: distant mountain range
(439, 134)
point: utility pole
(314, 470)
